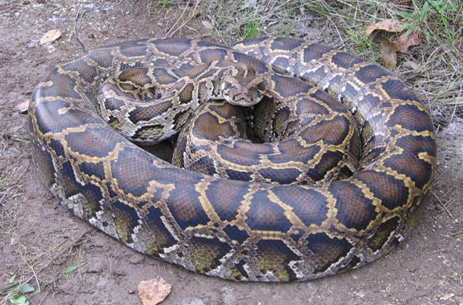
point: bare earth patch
(73, 263)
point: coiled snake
(252, 230)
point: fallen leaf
(388, 25)
(50, 36)
(207, 24)
(22, 107)
(154, 291)
(388, 54)
(403, 42)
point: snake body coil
(238, 230)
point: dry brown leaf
(50, 36)
(22, 107)
(388, 54)
(154, 291)
(404, 41)
(388, 25)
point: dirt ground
(39, 239)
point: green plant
(251, 30)
(18, 293)
(164, 4)
(423, 16)
(73, 268)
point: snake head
(242, 91)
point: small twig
(442, 204)
(46, 295)
(455, 107)
(14, 185)
(451, 235)
(170, 33)
(274, 9)
(178, 20)
(35, 276)
(337, 31)
(72, 245)
(80, 14)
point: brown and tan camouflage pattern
(238, 230)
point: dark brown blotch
(93, 170)
(207, 126)
(133, 171)
(391, 191)
(331, 132)
(315, 51)
(252, 62)
(86, 72)
(135, 48)
(409, 163)
(226, 204)
(280, 175)
(328, 161)
(288, 86)
(290, 148)
(160, 237)
(309, 205)
(411, 118)
(163, 77)
(185, 205)
(93, 142)
(369, 74)
(173, 46)
(354, 209)
(210, 55)
(346, 60)
(266, 215)
(146, 113)
(396, 89)
(326, 250)
(285, 43)
(207, 252)
(382, 234)
(274, 256)
(102, 58)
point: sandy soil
(39, 239)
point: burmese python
(239, 230)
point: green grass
(164, 4)
(251, 30)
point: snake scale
(251, 230)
